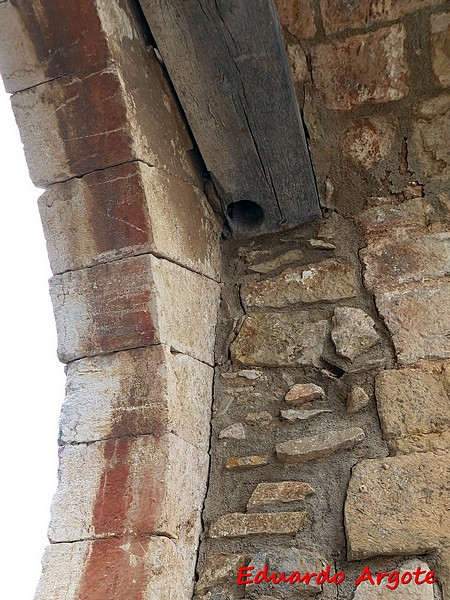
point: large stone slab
(142, 485)
(136, 392)
(363, 68)
(419, 321)
(430, 154)
(390, 216)
(131, 303)
(317, 446)
(277, 339)
(412, 404)
(128, 210)
(411, 256)
(242, 524)
(329, 280)
(123, 568)
(398, 505)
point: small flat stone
(219, 569)
(236, 431)
(318, 446)
(275, 263)
(322, 244)
(353, 332)
(259, 418)
(398, 505)
(284, 492)
(247, 462)
(409, 591)
(301, 415)
(328, 280)
(250, 374)
(357, 400)
(243, 524)
(300, 393)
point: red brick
(297, 16)
(339, 15)
(369, 68)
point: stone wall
(331, 414)
(134, 248)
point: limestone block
(123, 568)
(279, 339)
(300, 393)
(440, 32)
(419, 321)
(292, 416)
(142, 485)
(282, 260)
(364, 68)
(411, 256)
(128, 210)
(220, 569)
(242, 524)
(369, 140)
(398, 505)
(353, 332)
(430, 138)
(131, 303)
(135, 392)
(297, 16)
(282, 492)
(338, 16)
(328, 281)
(411, 403)
(318, 446)
(247, 462)
(388, 216)
(408, 591)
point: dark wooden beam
(227, 62)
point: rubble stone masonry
(305, 424)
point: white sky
(32, 387)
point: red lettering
(242, 574)
(295, 577)
(406, 574)
(417, 574)
(259, 577)
(430, 578)
(393, 580)
(366, 575)
(307, 577)
(380, 577)
(338, 578)
(324, 576)
(283, 578)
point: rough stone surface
(276, 339)
(410, 256)
(444, 571)
(353, 332)
(300, 393)
(276, 263)
(393, 215)
(318, 446)
(298, 63)
(236, 431)
(297, 16)
(128, 210)
(419, 321)
(219, 569)
(440, 47)
(430, 138)
(291, 416)
(368, 141)
(136, 392)
(134, 302)
(242, 524)
(283, 492)
(357, 400)
(246, 462)
(117, 568)
(259, 418)
(409, 591)
(338, 15)
(364, 68)
(411, 404)
(328, 280)
(398, 505)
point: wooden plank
(228, 65)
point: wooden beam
(227, 62)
